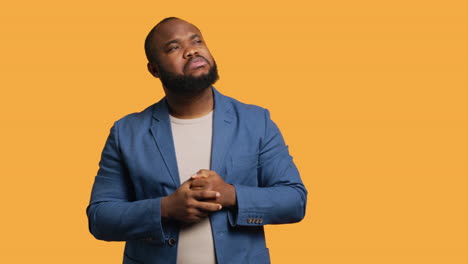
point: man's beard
(188, 85)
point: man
(194, 177)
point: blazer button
(171, 241)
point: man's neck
(193, 106)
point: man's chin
(198, 72)
(191, 83)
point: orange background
(371, 97)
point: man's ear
(153, 69)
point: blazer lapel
(223, 129)
(162, 134)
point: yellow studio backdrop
(371, 97)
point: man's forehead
(173, 29)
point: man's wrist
(164, 208)
(231, 201)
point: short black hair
(149, 51)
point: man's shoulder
(242, 108)
(141, 118)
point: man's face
(183, 61)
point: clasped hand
(196, 198)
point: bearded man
(196, 176)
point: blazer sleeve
(113, 214)
(280, 196)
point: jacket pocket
(244, 160)
(243, 169)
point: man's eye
(199, 41)
(173, 48)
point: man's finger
(203, 195)
(201, 213)
(201, 174)
(195, 216)
(196, 175)
(186, 184)
(198, 183)
(208, 207)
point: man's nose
(190, 52)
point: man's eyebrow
(170, 42)
(194, 36)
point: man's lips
(195, 63)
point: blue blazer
(138, 167)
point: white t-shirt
(192, 142)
